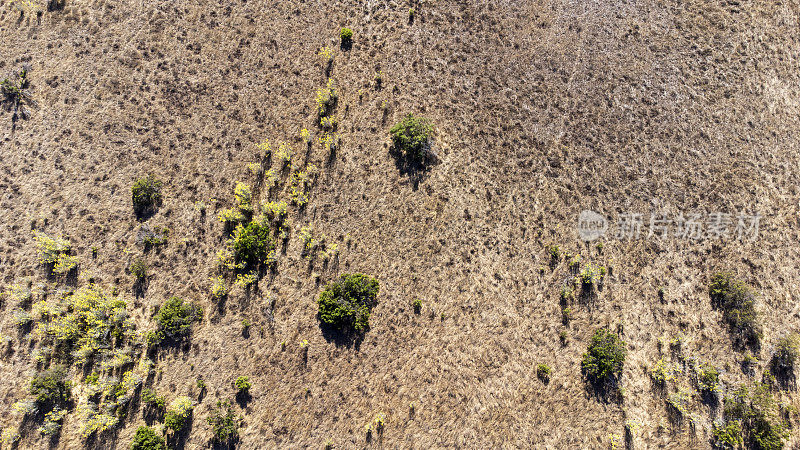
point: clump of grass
(411, 136)
(54, 253)
(737, 302)
(15, 89)
(346, 304)
(146, 195)
(326, 55)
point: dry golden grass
(542, 109)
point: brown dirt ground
(542, 109)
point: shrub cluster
(411, 136)
(751, 417)
(737, 302)
(146, 195)
(604, 357)
(54, 253)
(346, 303)
(51, 388)
(224, 424)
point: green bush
(178, 414)
(175, 318)
(604, 357)
(346, 34)
(51, 388)
(154, 403)
(346, 303)
(417, 304)
(707, 378)
(543, 372)
(54, 253)
(784, 358)
(224, 424)
(147, 439)
(138, 269)
(411, 136)
(242, 384)
(737, 302)
(757, 414)
(252, 245)
(146, 195)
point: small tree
(411, 136)
(224, 424)
(346, 303)
(175, 318)
(146, 195)
(147, 439)
(737, 302)
(604, 357)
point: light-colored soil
(542, 109)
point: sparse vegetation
(411, 136)
(752, 417)
(346, 304)
(224, 424)
(737, 302)
(138, 269)
(784, 358)
(16, 87)
(51, 388)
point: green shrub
(737, 302)
(146, 195)
(346, 35)
(55, 253)
(51, 388)
(242, 384)
(417, 304)
(604, 357)
(543, 372)
(252, 245)
(224, 424)
(155, 403)
(178, 414)
(707, 378)
(758, 414)
(175, 318)
(784, 358)
(138, 269)
(411, 136)
(326, 98)
(346, 303)
(147, 439)
(15, 89)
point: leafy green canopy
(146, 194)
(346, 303)
(411, 136)
(175, 318)
(252, 245)
(147, 439)
(605, 356)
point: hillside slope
(541, 110)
